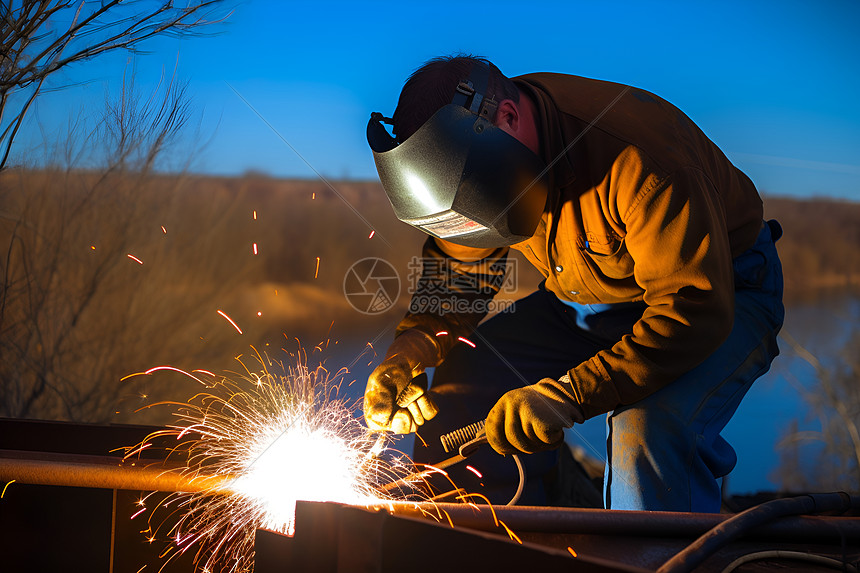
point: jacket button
(574, 292)
(559, 268)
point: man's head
(432, 86)
(464, 164)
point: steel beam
(106, 472)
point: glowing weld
(230, 320)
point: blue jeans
(664, 452)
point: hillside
(821, 245)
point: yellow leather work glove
(394, 399)
(533, 418)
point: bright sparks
(6, 487)
(466, 341)
(135, 259)
(276, 438)
(230, 320)
(474, 471)
(317, 271)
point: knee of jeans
(638, 434)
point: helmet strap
(467, 95)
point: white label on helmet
(447, 224)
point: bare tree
(38, 38)
(79, 309)
(834, 400)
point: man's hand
(396, 398)
(396, 401)
(533, 418)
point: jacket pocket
(610, 257)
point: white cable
(796, 555)
(522, 485)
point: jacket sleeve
(453, 291)
(677, 237)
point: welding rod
(75, 470)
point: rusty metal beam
(106, 472)
(628, 523)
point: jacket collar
(550, 131)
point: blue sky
(775, 84)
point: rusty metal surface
(333, 538)
(652, 552)
(69, 437)
(70, 529)
(739, 525)
(630, 523)
(87, 524)
(650, 539)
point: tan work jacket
(642, 207)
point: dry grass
(80, 314)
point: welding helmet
(459, 177)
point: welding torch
(465, 441)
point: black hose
(710, 542)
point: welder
(662, 290)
